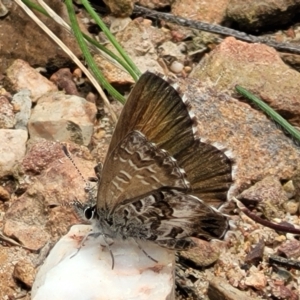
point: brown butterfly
(159, 182)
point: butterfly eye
(89, 212)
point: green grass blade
(271, 113)
(111, 38)
(87, 55)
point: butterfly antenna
(68, 155)
(150, 257)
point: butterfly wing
(169, 218)
(138, 167)
(156, 110)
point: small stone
(170, 49)
(40, 155)
(235, 276)
(283, 292)
(30, 236)
(283, 273)
(256, 279)
(118, 24)
(289, 189)
(204, 254)
(77, 73)
(24, 272)
(290, 248)
(187, 69)
(22, 76)
(22, 102)
(4, 194)
(269, 194)
(12, 149)
(176, 66)
(121, 8)
(7, 116)
(280, 238)
(291, 206)
(63, 78)
(256, 254)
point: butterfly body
(159, 181)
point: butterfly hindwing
(169, 217)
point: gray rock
(23, 102)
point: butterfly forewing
(155, 109)
(138, 167)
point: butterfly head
(86, 212)
(90, 212)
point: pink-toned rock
(24, 220)
(40, 155)
(63, 78)
(235, 276)
(8, 257)
(204, 254)
(269, 188)
(284, 292)
(259, 148)
(256, 67)
(24, 272)
(290, 249)
(201, 10)
(256, 279)
(154, 4)
(22, 76)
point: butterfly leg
(150, 257)
(95, 235)
(108, 247)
